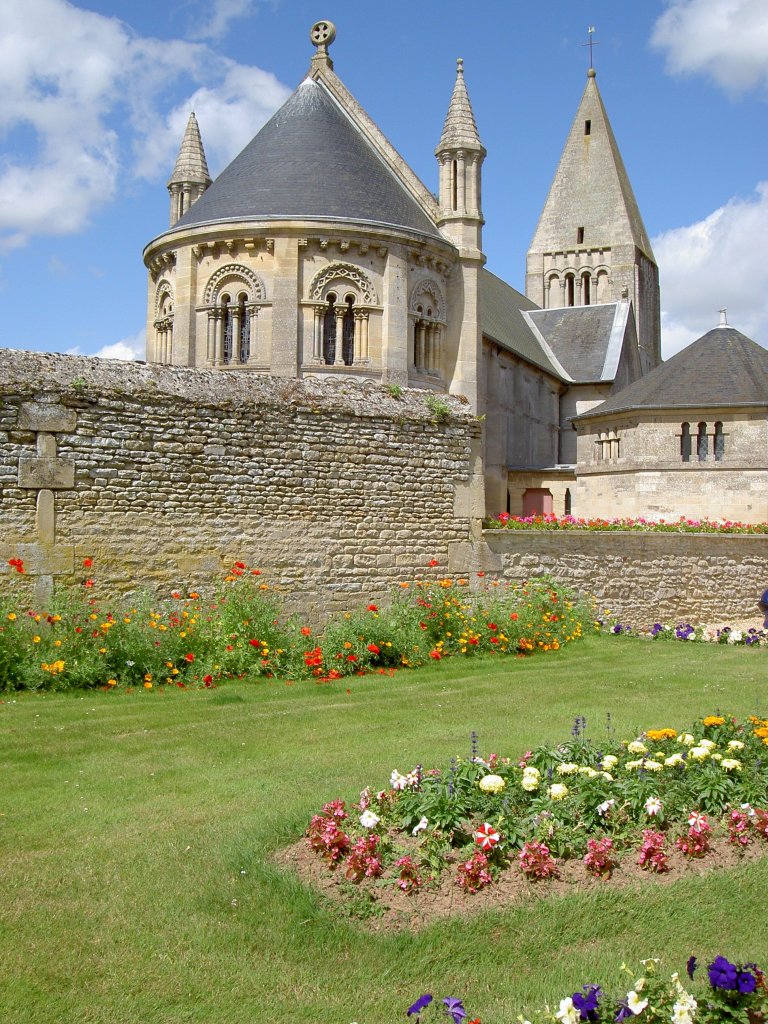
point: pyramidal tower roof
(191, 165)
(459, 128)
(320, 157)
(591, 188)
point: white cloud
(712, 264)
(725, 39)
(89, 92)
(132, 347)
(229, 116)
(218, 17)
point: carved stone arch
(338, 276)
(164, 290)
(237, 275)
(427, 289)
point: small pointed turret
(190, 176)
(460, 128)
(460, 154)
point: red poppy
(189, 657)
(87, 563)
(351, 657)
(239, 565)
(254, 643)
(374, 649)
(207, 680)
(435, 654)
(17, 564)
(306, 631)
(513, 616)
(433, 562)
(492, 625)
(88, 583)
(373, 608)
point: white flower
(683, 1010)
(735, 745)
(397, 781)
(730, 764)
(369, 820)
(686, 739)
(653, 766)
(567, 1013)
(691, 636)
(492, 784)
(569, 768)
(420, 827)
(653, 806)
(735, 636)
(698, 753)
(636, 747)
(531, 779)
(673, 760)
(604, 807)
(631, 765)
(588, 771)
(609, 761)
(708, 744)
(557, 791)
(635, 1003)
(607, 775)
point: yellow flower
(714, 720)
(148, 677)
(12, 616)
(102, 650)
(35, 639)
(111, 682)
(147, 684)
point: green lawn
(136, 831)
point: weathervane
(590, 43)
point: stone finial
(322, 35)
(460, 129)
(723, 318)
(191, 165)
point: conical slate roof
(309, 162)
(459, 129)
(722, 368)
(591, 188)
(191, 165)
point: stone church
(318, 252)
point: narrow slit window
(579, 236)
(587, 127)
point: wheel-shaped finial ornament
(322, 34)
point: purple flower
(722, 974)
(691, 966)
(421, 1003)
(746, 982)
(623, 1014)
(586, 1002)
(455, 1008)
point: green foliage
(441, 411)
(394, 390)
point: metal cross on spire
(590, 43)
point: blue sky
(96, 95)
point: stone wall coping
(79, 381)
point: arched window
(685, 442)
(329, 332)
(719, 442)
(570, 289)
(702, 443)
(585, 295)
(164, 326)
(244, 325)
(226, 316)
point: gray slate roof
(580, 338)
(722, 368)
(309, 162)
(502, 321)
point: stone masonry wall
(644, 578)
(165, 476)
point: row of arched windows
(704, 444)
(584, 289)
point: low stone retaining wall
(642, 578)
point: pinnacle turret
(459, 129)
(190, 176)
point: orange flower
(306, 631)
(189, 657)
(714, 720)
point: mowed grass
(137, 832)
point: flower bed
(751, 637)
(579, 812)
(504, 521)
(238, 631)
(731, 992)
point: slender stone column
(253, 332)
(339, 313)
(364, 336)
(317, 334)
(419, 347)
(218, 353)
(235, 358)
(461, 183)
(358, 351)
(428, 354)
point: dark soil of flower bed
(382, 906)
